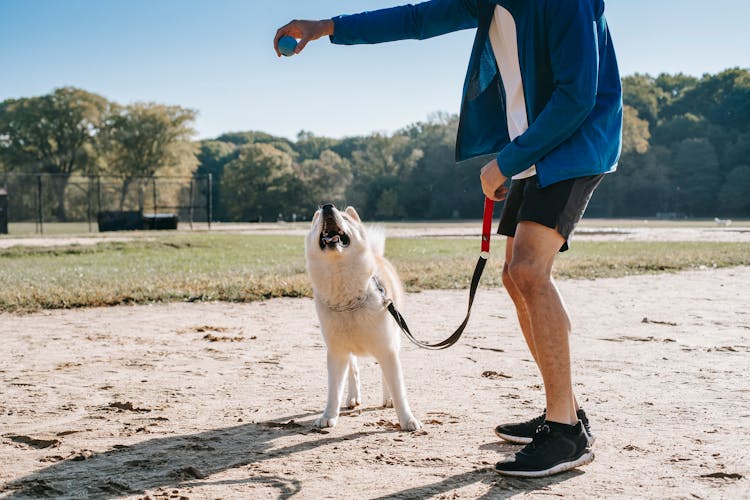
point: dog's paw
(353, 401)
(324, 421)
(388, 403)
(411, 424)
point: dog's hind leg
(337, 365)
(391, 366)
(354, 396)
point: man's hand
(493, 181)
(304, 31)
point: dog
(352, 283)
(723, 222)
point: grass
(204, 266)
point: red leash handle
(489, 207)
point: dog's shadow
(177, 461)
(183, 461)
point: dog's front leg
(337, 364)
(391, 366)
(387, 399)
(354, 394)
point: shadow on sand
(183, 461)
(176, 461)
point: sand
(216, 400)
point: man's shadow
(499, 486)
(177, 461)
(184, 461)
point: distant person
(543, 96)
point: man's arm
(420, 21)
(574, 54)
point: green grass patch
(240, 268)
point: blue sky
(216, 56)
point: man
(542, 95)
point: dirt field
(215, 400)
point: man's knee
(526, 275)
(507, 280)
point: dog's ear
(352, 213)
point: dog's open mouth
(332, 239)
(331, 234)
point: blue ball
(287, 45)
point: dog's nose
(328, 208)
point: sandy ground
(215, 400)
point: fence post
(39, 209)
(98, 197)
(210, 203)
(153, 189)
(192, 184)
(88, 200)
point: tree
(255, 137)
(697, 175)
(52, 134)
(679, 128)
(635, 134)
(212, 158)
(327, 179)
(142, 139)
(257, 182)
(675, 86)
(733, 194)
(642, 93)
(724, 99)
(384, 163)
(310, 146)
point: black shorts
(558, 206)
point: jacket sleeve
(420, 21)
(573, 49)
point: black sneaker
(586, 428)
(520, 433)
(523, 432)
(555, 448)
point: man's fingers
(279, 33)
(501, 194)
(292, 29)
(301, 45)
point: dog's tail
(376, 238)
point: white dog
(352, 281)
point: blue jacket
(569, 71)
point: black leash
(483, 256)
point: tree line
(686, 153)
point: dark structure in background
(106, 203)
(3, 211)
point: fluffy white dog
(352, 282)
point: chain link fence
(100, 199)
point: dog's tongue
(331, 239)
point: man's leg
(546, 325)
(518, 300)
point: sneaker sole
(584, 459)
(592, 439)
(512, 439)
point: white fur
(353, 318)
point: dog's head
(341, 253)
(334, 233)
